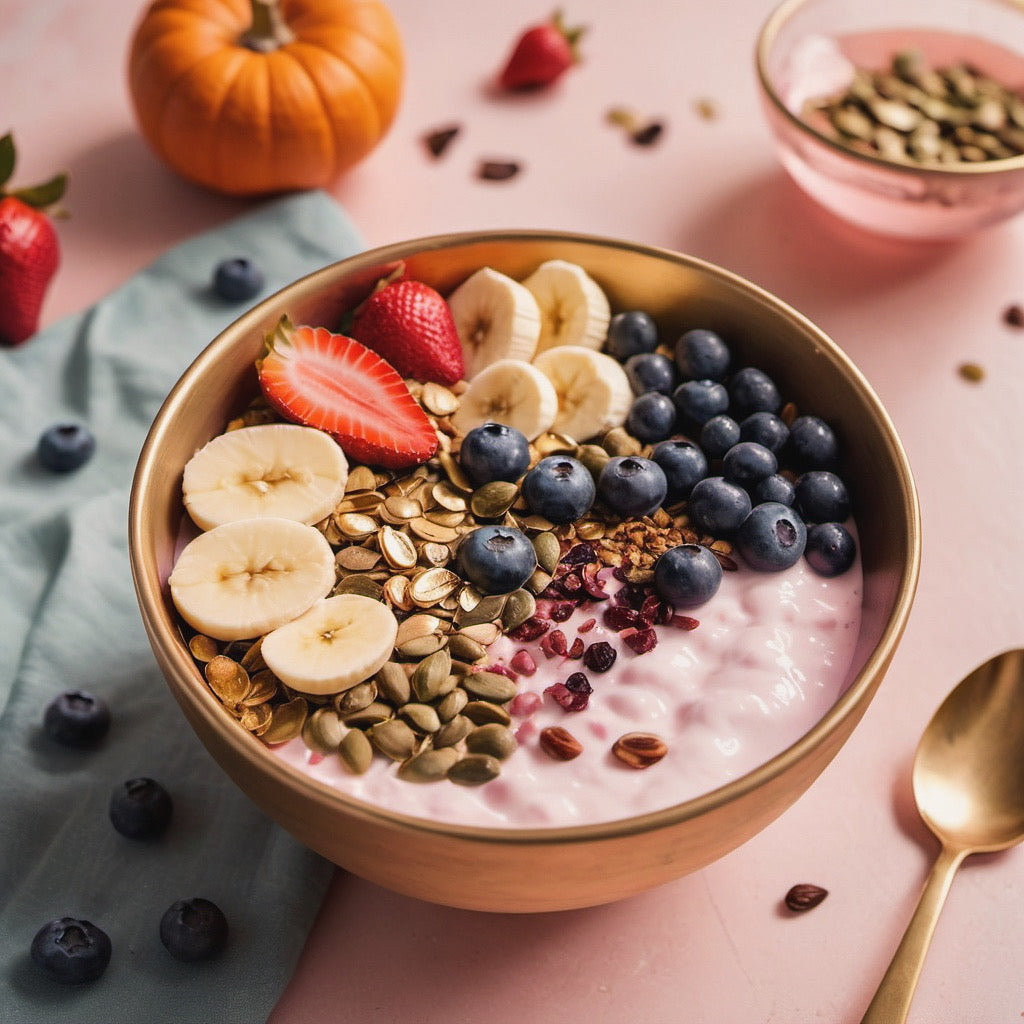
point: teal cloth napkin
(69, 619)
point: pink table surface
(713, 946)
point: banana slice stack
(532, 353)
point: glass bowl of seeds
(904, 118)
(556, 741)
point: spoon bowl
(969, 787)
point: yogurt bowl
(494, 852)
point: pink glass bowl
(884, 196)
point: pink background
(714, 946)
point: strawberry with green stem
(541, 55)
(29, 248)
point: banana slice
(573, 308)
(275, 469)
(592, 388)
(510, 392)
(339, 642)
(243, 578)
(496, 317)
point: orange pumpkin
(250, 97)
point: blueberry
(630, 333)
(497, 559)
(193, 929)
(76, 719)
(773, 488)
(752, 390)
(747, 463)
(494, 451)
(559, 488)
(651, 417)
(702, 354)
(718, 435)
(822, 497)
(650, 371)
(687, 576)
(237, 279)
(683, 464)
(772, 537)
(71, 951)
(65, 446)
(631, 486)
(830, 549)
(717, 506)
(765, 428)
(812, 443)
(700, 400)
(140, 808)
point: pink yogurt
(771, 654)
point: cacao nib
(642, 641)
(523, 663)
(554, 644)
(576, 650)
(600, 656)
(532, 629)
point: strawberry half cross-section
(332, 382)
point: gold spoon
(969, 787)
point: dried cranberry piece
(531, 629)
(632, 595)
(554, 644)
(580, 554)
(502, 670)
(655, 611)
(561, 611)
(600, 656)
(642, 641)
(683, 622)
(586, 627)
(619, 618)
(523, 663)
(576, 650)
(574, 693)
(524, 704)
(593, 584)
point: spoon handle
(892, 1000)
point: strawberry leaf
(41, 196)
(7, 157)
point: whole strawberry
(29, 249)
(541, 55)
(408, 324)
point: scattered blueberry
(830, 549)
(651, 417)
(765, 428)
(632, 486)
(687, 576)
(630, 333)
(650, 371)
(76, 719)
(559, 488)
(718, 435)
(812, 443)
(717, 506)
(700, 400)
(822, 497)
(140, 808)
(701, 354)
(494, 451)
(65, 446)
(747, 463)
(71, 951)
(600, 656)
(237, 279)
(683, 464)
(773, 488)
(752, 390)
(771, 538)
(497, 559)
(193, 929)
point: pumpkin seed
(494, 739)
(538, 581)
(437, 399)
(455, 473)
(590, 529)
(555, 444)
(474, 770)
(355, 751)
(520, 605)
(422, 717)
(400, 508)
(451, 704)
(465, 647)
(422, 646)
(359, 583)
(255, 719)
(372, 714)
(445, 520)
(619, 442)
(430, 676)
(493, 499)
(357, 559)
(228, 680)
(431, 553)
(396, 593)
(356, 525)
(393, 739)
(593, 457)
(482, 712)
(429, 765)
(393, 684)
(396, 547)
(203, 648)
(489, 686)
(322, 731)
(262, 687)
(252, 661)
(360, 478)
(356, 698)
(433, 585)
(548, 551)
(448, 497)
(482, 632)
(286, 721)
(486, 609)
(453, 731)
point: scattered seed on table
(972, 372)
(497, 170)
(1013, 316)
(438, 140)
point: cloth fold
(69, 619)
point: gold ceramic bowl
(536, 869)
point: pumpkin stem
(268, 30)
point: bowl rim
(766, 39)
(158, 617)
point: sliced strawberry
(410, 325)
(332, 382)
